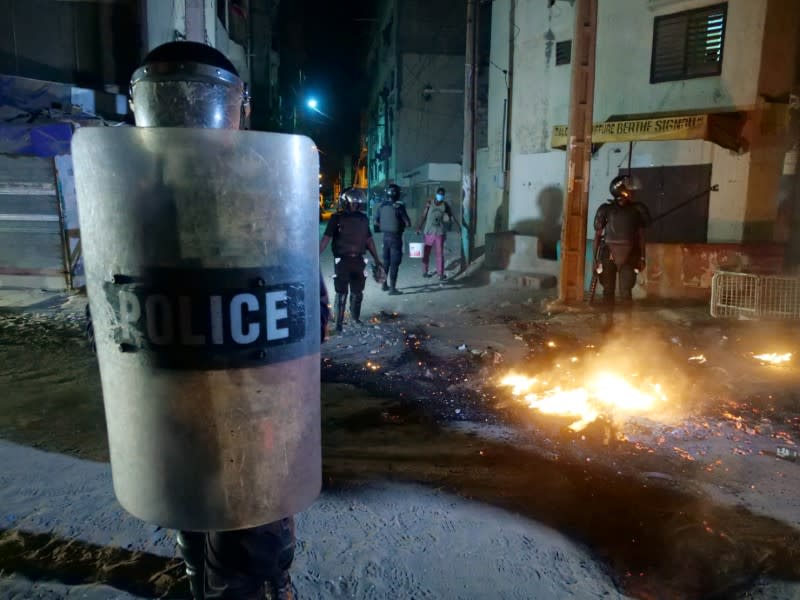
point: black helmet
(352, 199)
(393, 192)
(188, 84)
(621, 186)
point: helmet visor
(182, 103)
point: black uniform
(392, 219)
(620, 253)
(349, 232)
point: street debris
(785, 453)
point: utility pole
(195, 20)
(386, 134)
(468, 188)
(579, 153)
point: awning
(723, 129)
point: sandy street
(439, 482)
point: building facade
(725, 69)
(65, 65)
(415, 106)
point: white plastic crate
(749, 296)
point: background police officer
(349, 230)
(619, 226)
(186, 84)
(392, 219)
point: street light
(313, 104)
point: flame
(605, 393)
(773, 358)
(699, 358)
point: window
(563, 52)
(688, 44)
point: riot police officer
(349, 230)
(619, 242)
(191, 85)
(391, 220)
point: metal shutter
(31, 233)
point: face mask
(439, 197)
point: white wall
(537, 194)
(486, 207)
(622, 86)
(540, 100)
(166, 17)
(497, 83)
(624, 50)
(430, 130)
(235, 53)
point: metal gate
(750, 296)
(32, 243)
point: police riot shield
(202, 266)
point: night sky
(328, 41)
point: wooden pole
(468, 179)
(579, 153)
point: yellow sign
(694, 127)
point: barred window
(563, 52)
(688, 44)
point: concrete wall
(540, 100)
(89, 44)
(429, 128)
(415, 43)
(492, 196)
(167, 21)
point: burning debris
(615, 383)
(774, 358)
(604, 393)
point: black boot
(281, 588)
(355, 307)
(340, 305)
(385, 286)
(191, 546)
(393, 291)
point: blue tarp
(45, 140)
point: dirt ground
(438, 482)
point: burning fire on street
(603, 393)
(774, 358)
(615, 383)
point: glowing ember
(698, 359)
(774, 359)
(604, 394)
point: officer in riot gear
(391, 219)
(349, 231)
(191, 85)
(619, 241)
